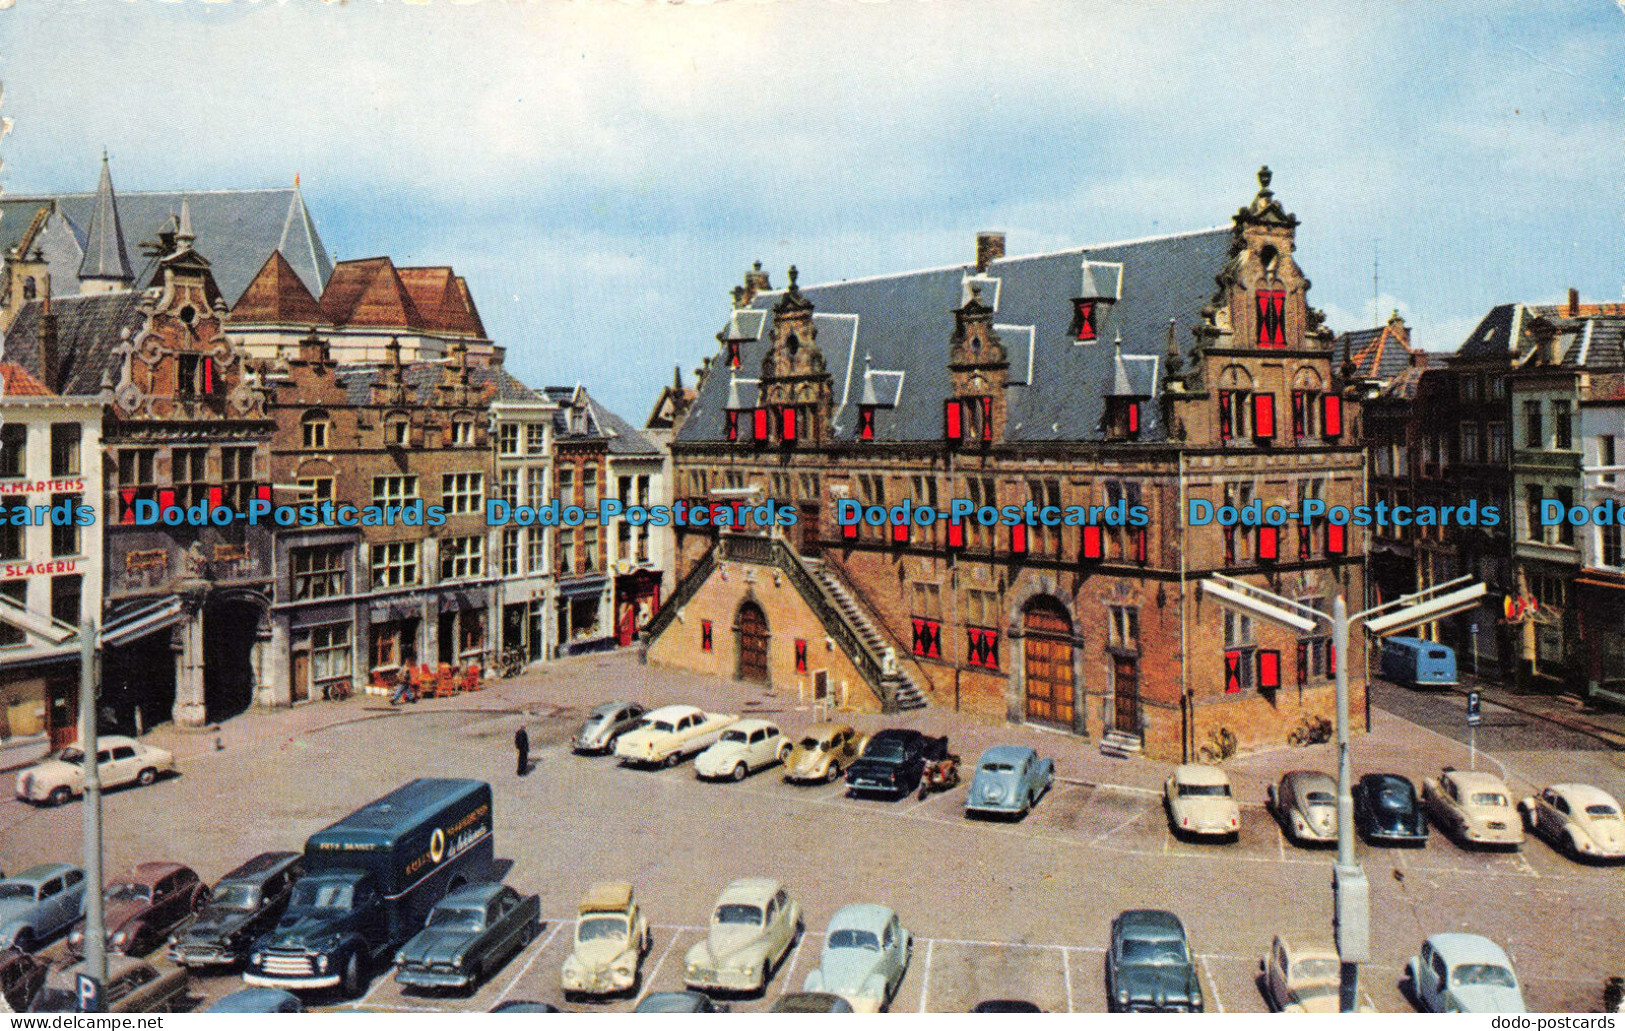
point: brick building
(1104, 376)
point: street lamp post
(1351, 892)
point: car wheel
(24, 940)
(767, 972)
(350, 982)
(60, 796)
(832, 774)
(739, 772)
(673, 759)
(146, 776)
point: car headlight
(1122, 996)
(174, 939)
(120, 937)
(321, 961)
(254, 959)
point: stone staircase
(898, 690)
(1119, 745)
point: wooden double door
(1047, 664)
(753, 638)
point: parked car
(1475, 808)
(258, 1000)
(132, 986)
(1306, 804)
(1303, 980)
(1463, 973)
(39, 903)
(753, 926)
(823, 752)
(1387, 810)
(469, 934)
(244, 904)
(21, 977)
(611, 939)
(893, 762)
(1577, 819)
(679, 1002)
(1148, 965)
(524, 1006)
(60, 776)
(1009, 779)
(146, 906)
(1006, 1006)
(604, 725)
(866, 954)
(811, 1002)
(670, 734)
(1199, 802)
(743, 748)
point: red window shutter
(1083, 320)
(866, 423)
(1226, 423)
(1229, 545)
(1232, 672)
(166, 501)
(1332, 416)
(208, 375)
(987, 418)
(850, 531)
(1300, 411)
(1271, 318)
(956, 534)
(1018, 539)
(801, 655)
(126, 506)
(732, 424)
(953, 419)
(733, 354)
(899, 533)
(982, 647)
(1269, 544)
(759, 419)
(927, 638)
(1304, 547)
(1140, 549)
(787, 424)
(1303, 663)
(705, 635)
(1091, 541)
(1336, 539)
(1269, 670)
(1264, 416)
(1134, 416)
(215, 497)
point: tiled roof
(87, 331)
(443, 299)
(601, 423)
(1609, 386)
(19, 382)
(1378, 354)
(373, 292)
(20, 221)
(904, 322)
(278, 295)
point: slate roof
(903, 323)
(238, 228)
(494, 382)
(1492, 337)
(87, 331)
(1378, 354)
(1592, 342)
(105, 256)
(621, 437)
(17, 222)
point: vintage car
(1474, 808)
(245, 903)
(743, 748)
(469, 934)
(823, 753)
(866, 953)
(893, 762)
(258, 1000)
(524, 1006)
(670, 734)
(1006, 1006)
(21, 977)
(753, 926)
(1463, 973)
(145, 907)
(1009, 780)
(612, 938)
(60, 776)
(132, 986)
(39, 903)
(1200, 803)
(1305, 802)
(1387, 810)
(1576, 819)
(810, 1002)
(604, 725)
(1302, 980)
(679, 1002)
(1149, 968)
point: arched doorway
(1048, 662)
(752, 630)
(230, 630)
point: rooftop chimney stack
(989, 248)
(1574, 303)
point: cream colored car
(1473, 807)
(753, 927)
(743, 748)
(823, 752)
(611, 939)
(1582, 821)
(60, 776)
(1200, 802)
(1302, 980)
(670, 734)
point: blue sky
(603, 172)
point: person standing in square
(521, 744)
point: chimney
(1574, 303)
(989, 248)
(313, 349)
(48, 343)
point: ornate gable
(796, 387)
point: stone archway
(232, 627)
(1059, 649)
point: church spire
(106, 266)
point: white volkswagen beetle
(60, 776)
(1583, 821)
(743, 748)
(1200, 802)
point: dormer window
(733, 354)
(731, 425)
(1083, 320)
(866, 422)
(1271, 318)
(397, 429)
(1122, 418)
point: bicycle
(1311, 730)
(511, 662)
(336, 690)
(1221, 746)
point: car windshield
(129, 893)
(13, 890)
(1318, 968)
(68, 755)
(1215, 790)
(453, 919)
(884, 750)
(1394, 796)
(1320, 798)
(854, 939)
(593, 722)
(738, 913)
(1602, 811)
(601, 928)
(811, 744)
(1154, 951)
(1488, 974)
(1489, 798)
(738, 737)
(998, 768)
(240, 897)
(319, 895)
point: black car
(811, 1002)
(679, 1002)
(1388, 810)
(1149, 968)
(1006, 1006)
(246, 903)
(893, 762)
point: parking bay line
(534, 956)
(1212, 984)
(650, 980)
(925, 981)
(1066, 969)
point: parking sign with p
(89, 992)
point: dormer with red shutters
(796, 392)
(980, 369)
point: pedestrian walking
(521, 744)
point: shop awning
(141, 621)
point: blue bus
(1414, 662)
